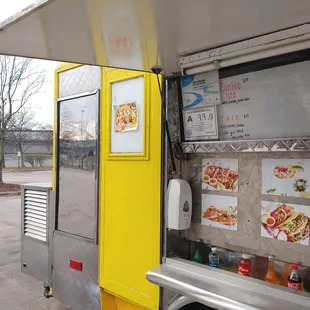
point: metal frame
(277, 43)
(179, 302)
(58, 102)
(224, 290)
(164, 182)
(29, 10)
(241, 146)
(49, 227)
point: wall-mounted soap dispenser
(179, 205)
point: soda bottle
(245, 266)
(294, 280)
(286, 271)
(197, 255)
(230, 261)
(214, 258)
(270, 275)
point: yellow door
(130, 189)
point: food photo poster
(285, 222)
(219, 211)
(126, 117)
(220, 174)
(286, 177)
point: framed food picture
(286, 177)
(219, 211)
(220, 174)
(285, 222)
(126, 117)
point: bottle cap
(198, 240)
(245, 255)
(294, 267)
(213, 249)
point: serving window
(251, 180)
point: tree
(20, 130)
(20, 79)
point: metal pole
(180, 302)
(82, 142)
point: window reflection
(77, 154)
(78, 135)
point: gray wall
(248, 236)
(31, 147)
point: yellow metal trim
(56, 92)
(119, 76)
(102, 176)
(67, 66)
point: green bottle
(197, 256)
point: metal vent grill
(35, 218)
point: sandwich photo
(286, 223)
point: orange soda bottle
(270, 275)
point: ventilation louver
(35, 225)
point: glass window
(77, 165)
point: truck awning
(138, 34)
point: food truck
(181, 154)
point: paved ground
(28, 177)
(18, 291)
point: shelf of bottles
(266, 268)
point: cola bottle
(294, 280)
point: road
(28, 177)
(18, 291)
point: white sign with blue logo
(200, 90)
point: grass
(27, 169)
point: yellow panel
(130, 205)
(110, 302)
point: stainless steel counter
(224, 290)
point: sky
(44, 101)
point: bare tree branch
(20, 79)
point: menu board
(271, 103)
(285, 222)
(220, 174)
(219, 211)
(286, 177)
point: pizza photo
(126, 117)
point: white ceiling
(138, 34)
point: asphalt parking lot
(18, 291)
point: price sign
(200, 124)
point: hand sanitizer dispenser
(179, 205)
